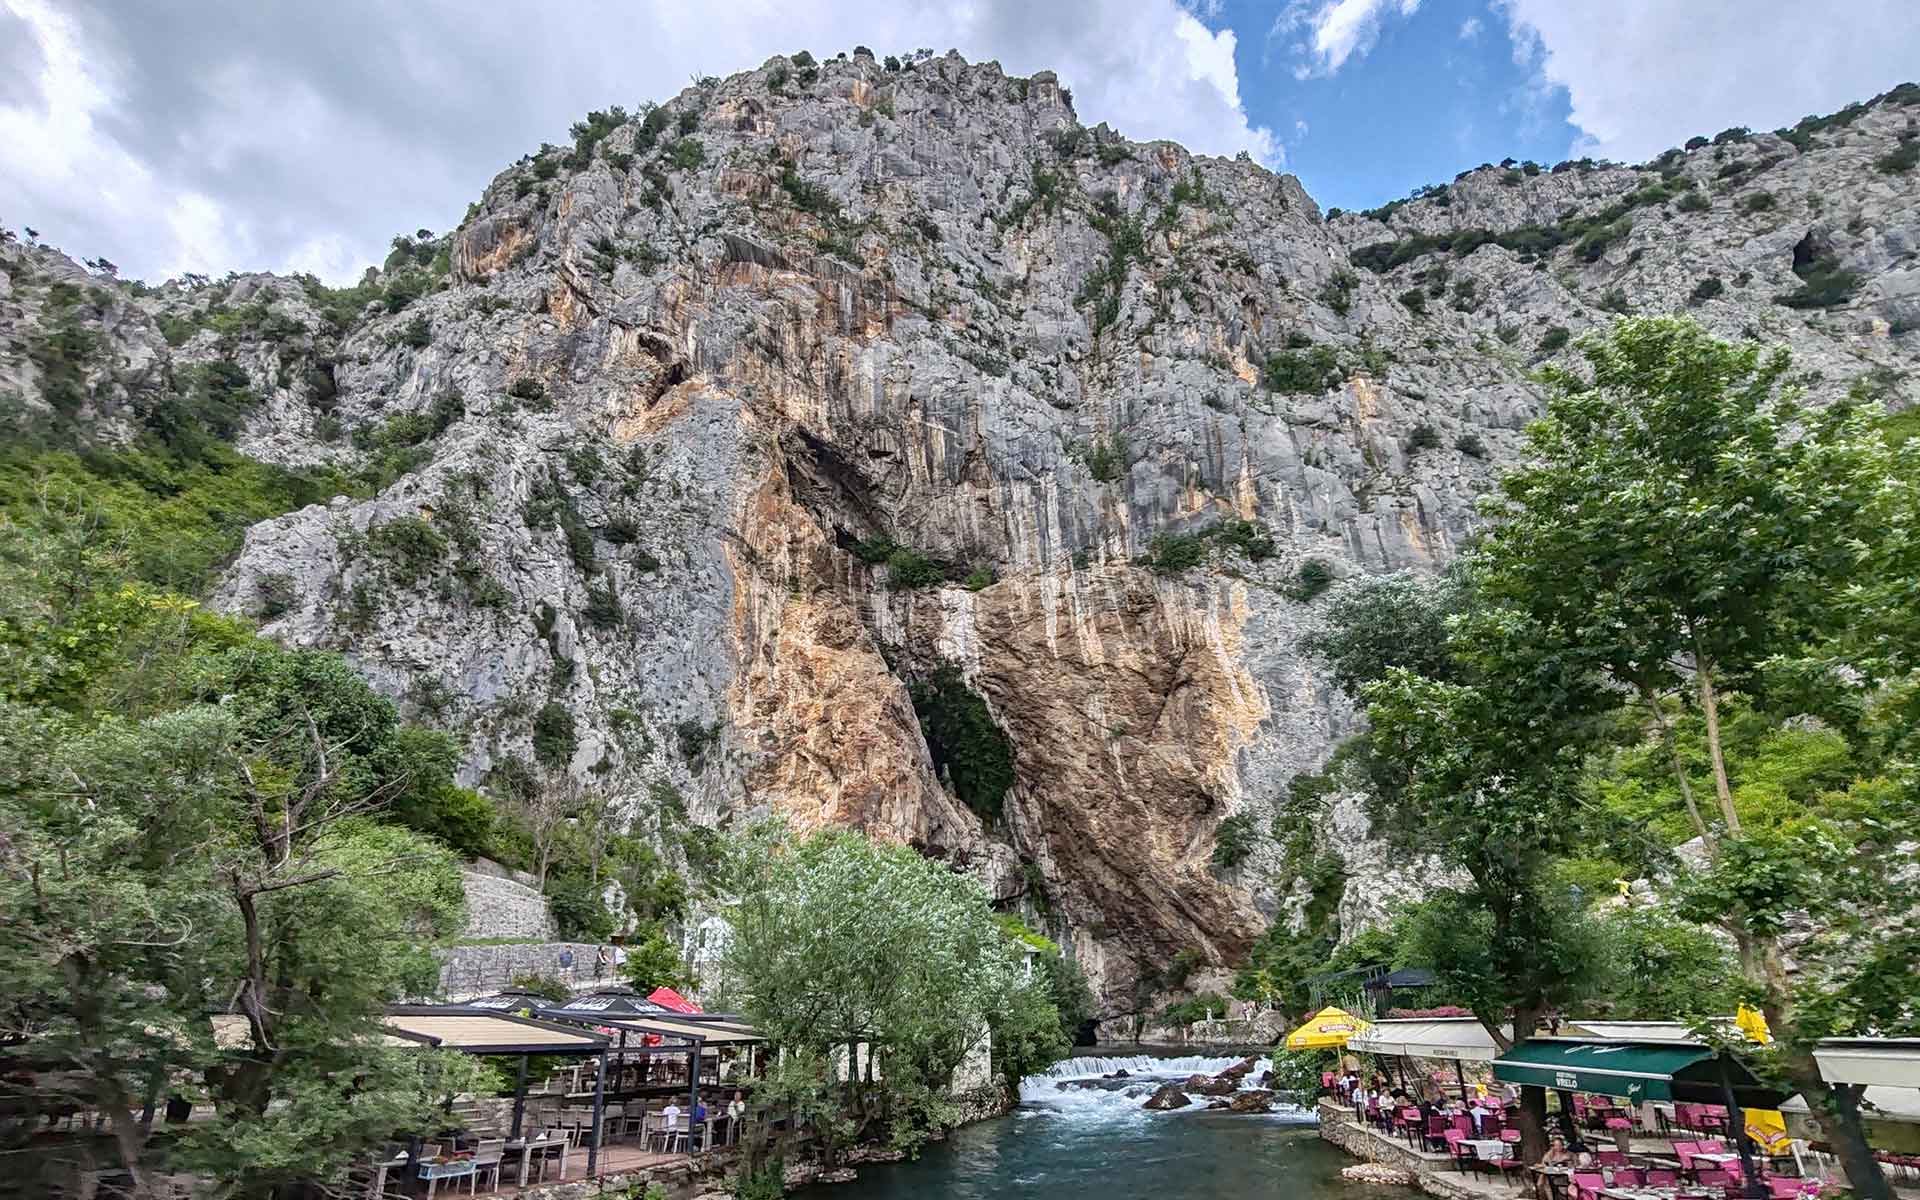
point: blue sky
(1422, 105)
(216, 135)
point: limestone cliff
(737, 420)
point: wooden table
(525, 1150)
(377, 1186)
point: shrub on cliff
(965, 743)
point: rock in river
(1169, 1096)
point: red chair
(1461, 1155)
(1660, 1177)
(1684, 1151)
(1435, 1137)
(1410, 1126)
(1511, 1164)
(1462, 1122)
(1713, 1179)
(1711, 1146)
(1611, 1158)
(1587, 1185)
(1784, 1187)
(1626, 1177)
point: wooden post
(519, 1099)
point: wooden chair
(486, 1161)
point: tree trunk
(1673, 758)
(1835, 1109)
(1710, 707)
(1533, 1124)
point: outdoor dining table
(1655, 1193)
(1717, 1159)
(525, 1148)
(1488, 1149)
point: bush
(410, 546)
(1423, 437)
(603, 609)
(687, 154)
(1900, 161)
(1470, 445)
(1248, 537)
(527, 388)
(1175, 553)
(908, 570)
(979, 578)
(1696, 143)
(1695, 201)
(1415, 300)
(1555, 338)
(579, 914)
(695, 738)
(554, 739)
(967, 747)
(1337, 293)
(1233, 840)
(1706, 290)
(417, 334)
(544, 986)
(1756, 202)
(1314, 577)
(1824, 282)
(1310, 371)
(1106, 458)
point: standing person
(600, 961)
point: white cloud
(1643, 75)
(1336, 30)
(224, 134)
(1470, 29)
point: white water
(1122, 1101)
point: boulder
(1213, 1104)
(1239, 1070)
(1169, 1096)
(1208, 1085)
(1252, 1102)
(1377, 1173)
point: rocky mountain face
(873, 444)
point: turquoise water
(1098, 1142)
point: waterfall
(1147, 1064)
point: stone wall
(1433, 1178)
(469, 971)
(501, 906)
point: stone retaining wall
(469, 971)
(1337, 1126)
(503, 907)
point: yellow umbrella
(1753, 1023)
(1328, 1027)
(1767, 1127)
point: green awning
(1636, 1071)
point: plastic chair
(1587, 1185)
(1627, 1177)
(1784, 1187)
(1611, 1158)
(1461, 1155)
(1435, 1137)
(1659, 1177)
(1712, 1146)
(1712, 1179)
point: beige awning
(231, 1032)
(1462, 1038)
(489, 1033)
(1877, 1062)
(713, 1033)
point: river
(1098, 1143)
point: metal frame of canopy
(479, 1030)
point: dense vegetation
(1685, 626)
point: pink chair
(1626, 1177)
(1712, 1146)
(1587, 1185)
(1659, 1177)
(1712, 1179)
(1461, 1155)
(1684, 1151)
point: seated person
(1557, 1154)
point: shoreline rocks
(1168, 1096)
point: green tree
(1685, 527)
(819, 931)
